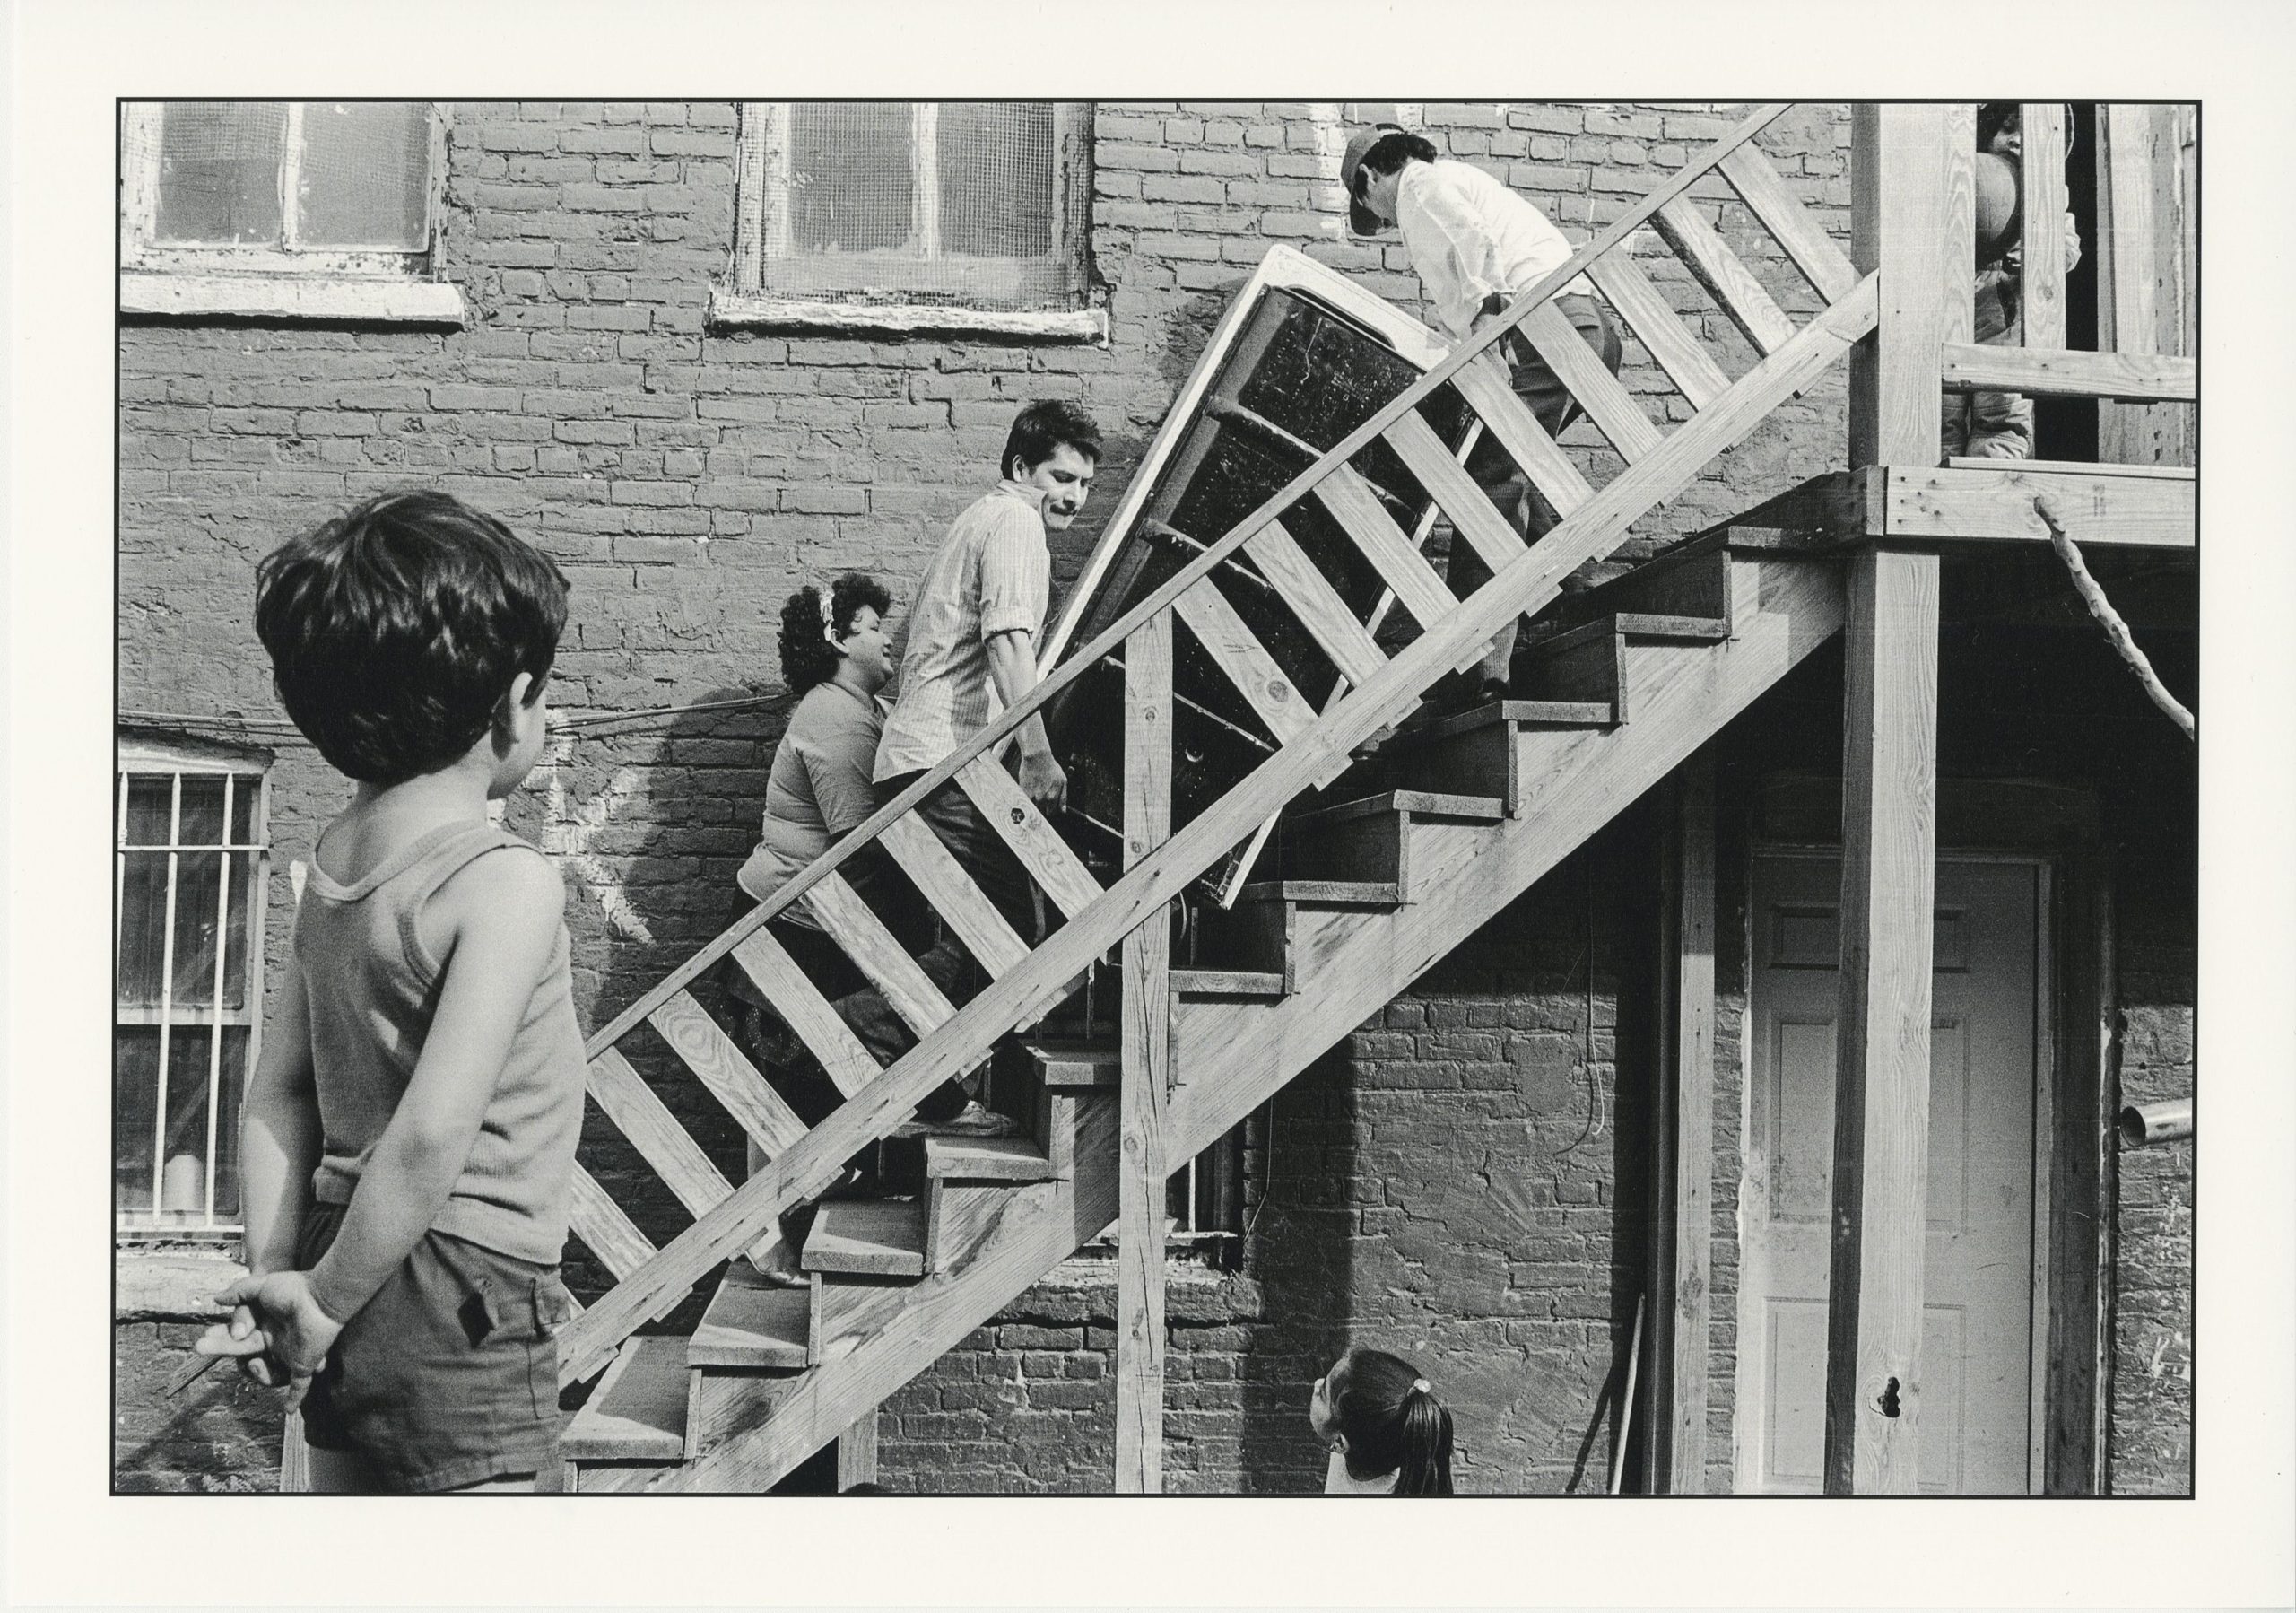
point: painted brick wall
(687, 479)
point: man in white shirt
(1478, 245)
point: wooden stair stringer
(1576, 782)
(1246, 1050)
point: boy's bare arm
(280, 1135)
(503, 912)
(1012, 669)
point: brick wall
(687, 478)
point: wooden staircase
(1422, 840)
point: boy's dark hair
(1394, 1424)
(1391, 151)
(1994, 115)
(396, 628)
(1043, 427)
(807, 656)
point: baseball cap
(1361, 218)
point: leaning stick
(1626, 1403)
(2108, 618)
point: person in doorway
(409, 1134)
(1478, 245)
(1999, 425)
(835, 655)
(1387, 1432)
(972, 654)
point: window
(295, 208)
(925, 215)
(187, 968)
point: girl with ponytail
(1388, 1434)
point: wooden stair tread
(1419, 803)
(1073, 1064)
(1227, 982)
(1633, 624)
(868, 1237)
(1543, 713)
(1322, 892)
(638, 1411)
(753, 1323)
(985, 1159)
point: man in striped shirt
(972, 631)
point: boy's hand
(1043, 779)
(295, 1334)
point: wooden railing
(1313, 746)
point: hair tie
(1421, 1384)
(828, 616)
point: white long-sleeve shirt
(1469, 235)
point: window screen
(285, 175)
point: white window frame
(837, 293)
(186, 759)
(281, 281)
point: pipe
(2143, 1125)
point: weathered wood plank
(1317, 605)
(1579, 368)
(1244, 659)
(1030, 835)
(800, 1002)
(2041, 220)
(718, 1065)
(1822, 264)
(1997, 500)
(953, 895)
(877, 953)
(1726, 278)
(664, 1144)
(1472, 515)
(1145, 1053)
(1898, 227)
(1660, 330)
(1693, 1125)
(1957, 320)
(638, 1410)
(594, 1217)
(1390, 553)
(1874, 1371)
(857, 1452)
(2147, 241)
(2131, 376)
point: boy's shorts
(448, 1376)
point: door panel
(1974, 1403)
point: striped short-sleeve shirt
(993, 575)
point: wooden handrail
(1162, 597)
(1145, 889)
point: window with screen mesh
(969, 203)
(188, 971)
(337, 180)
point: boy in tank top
(408, 1138)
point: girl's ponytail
(1393, 1421)
(1426, 1469)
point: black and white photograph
(1190, 798)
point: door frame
(2027, 819)
(2040, 1153)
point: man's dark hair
(396, 628)
(1041, 428)
(807, 656)
(1391, 151)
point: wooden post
(2042, 215)
(2145, 247)
(1145, 1062)
(1905, 197)
(857, 1452)
(1681, 1314)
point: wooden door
(1977, 1405)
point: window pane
(219, 172)
(996, 160)
(365, 174)
(235, 930)
(247, 789)
(183, 1179)
(227, 1123)
(135, 1101)
(150, 810)
(850, 187)
(198, 882)
(143, 917)
(202, 823)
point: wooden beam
(878, 953)
(2146, 175)
(2056, 372)
(1965, 503)
(1358, 512)
(1880, 1151)
(1654, 321)
(732, 1079)
(1726, 279)
(1822, 263)
(2042, 212)
(1580, 369)
(1029, 835)
(951, 893)
(1234, 649)
(800, 1003)
(1473, 515)
(1312, 598)
(857, 1452)
(593, 1216)
(647, 1122)
(1691, 967)
(1145, 1059)
(1900, 217)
